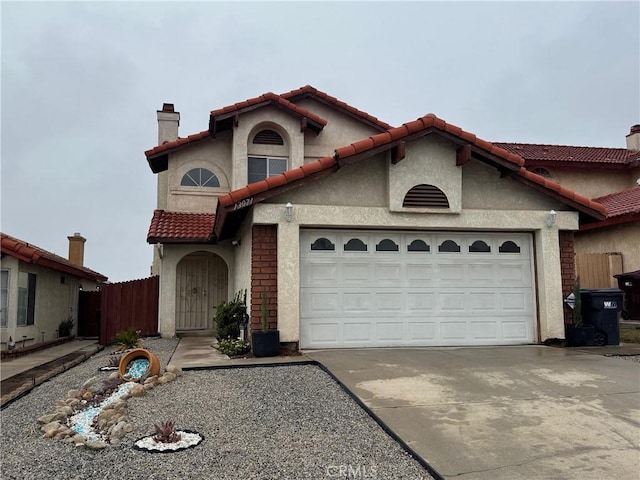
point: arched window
(479, 246)
(355, 245)
(509, 247)
(449, 246)
(387, 245)
(425, 196)
(199, 177)
(323, 244)
(542, 172)
(418, 246)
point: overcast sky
(81, 83)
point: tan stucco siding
(55, 301)
(620, 238)
(592, 182)
(363, 184)
(429, 160)
(214, 155)
(484, 189)
(241, 272)
(339, 131)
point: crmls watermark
(351, 471)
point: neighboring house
(361, 234)
(609, 176)
(40, 289)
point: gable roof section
(174, 227)
(224, 118)
(538, 155)
(232, 207)
(310, 92)
(623, 206)
(28, 253)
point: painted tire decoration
(146, 444)
(152, 369)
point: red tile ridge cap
(428, 121)
(177, 143)
(308, 89)
(269, 97)
(285, 178)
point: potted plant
(265, 343)
(579, 334)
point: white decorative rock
(89, 383)
(52, 426)
(137, 391)
(48, 418)
(74, 394)
(95, 444)
(171, 368)
(166, 378)
(115, 374)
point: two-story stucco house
(363, 235)
(40, 289)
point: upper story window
(542, 172)
(199, 177)
(265, 167)
(268, 137)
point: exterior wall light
(288, 211)
(550, 219)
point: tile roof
(166, 146)
(263, 100)
(167, 227)
(362, 149)
(28, 253)
(621, 203)
(309, 91)
(565, 154)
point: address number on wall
(243, 204)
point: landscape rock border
(168, 449)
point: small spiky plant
(166, 432)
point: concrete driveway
(525, 412)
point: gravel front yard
(289, 422)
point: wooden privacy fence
(596, 270)
(131, 304)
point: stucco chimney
(168, 123)
(633, 139)
(76, 249)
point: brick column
(264, 274)
(568, 269)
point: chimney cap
(168, 107)
(634, 129)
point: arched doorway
(201, 285)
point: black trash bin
(600, 308)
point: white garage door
(379, 289)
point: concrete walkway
(198, 352)
(15, 366)
(526, 412)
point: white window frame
(27, 307)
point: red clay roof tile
(565, 154)
(308, 90)
(26, 252)
(175, 226)
(621, 203)
(166, 146)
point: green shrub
(229, 314)
(127, 339)
(65, 327)
(232, 347)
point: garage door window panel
(323, 244)
(509, 247)
(449, 246)
(418, 246)
(479, 246)
(355, 245)
(387, 245)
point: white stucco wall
(592, 182)
(54, 302)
